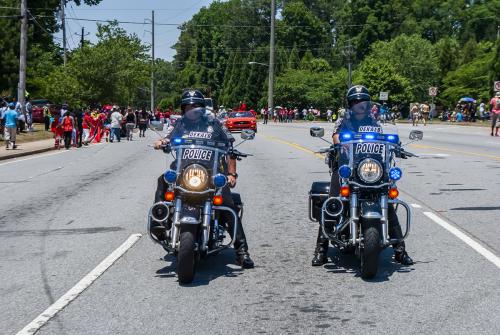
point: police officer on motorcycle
(195, 120)
(358, 119)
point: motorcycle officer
(358, 119)
(194, 121)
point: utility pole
(348, 53)
(153, 61)
(270, 101)
(21, 92)
(82, 40)
(63, 19)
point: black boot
(403, 258)
(241, 247)
(400, 254)
(243, 259)
(320, 254)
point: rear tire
(370, 252)
(186, 258)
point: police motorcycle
(187, 223)
(357, 219)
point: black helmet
(357, 93)
(192, 97)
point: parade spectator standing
(11, 118)
(79, 123)
(130, 123)
(68, 125)
(482, 111)
(329, 114)
(21, 119)
(116, 124)
(384, 111)
(415, 114)
(495, 112)
(143, 122)
(86, 126)
(29, 115)
(46, 117)
(3, 109)
(426, 109)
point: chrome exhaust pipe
(160, 212)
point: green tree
(471, 79)
(42, 24)
(114, 70)
(380, 75)
(413, 58)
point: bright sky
(166, 11)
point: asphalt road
(63, 213)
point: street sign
(433, 91)
(384, 96)
(496, 87)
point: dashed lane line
(465, 238)
(455, 231)
(76, 290)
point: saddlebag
(317, 195)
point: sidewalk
(28, 148)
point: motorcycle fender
(190, 216)
(371, 210)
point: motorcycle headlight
(195, 177)
(370, 170)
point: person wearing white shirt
(116, 124)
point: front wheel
(370, 251)
(186, 256)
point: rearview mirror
(416, 135)
(156, 125)
(247, 134)
(317, 132)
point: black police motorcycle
(187, 223)
(357, 219)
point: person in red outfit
(87, 126)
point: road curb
(25, 153)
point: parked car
(241, 120)
(38, 105)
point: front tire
(187, 255)
(370, 252)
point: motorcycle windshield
(209, 154)
(356, 147)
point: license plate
(197, 154)
(370, 148)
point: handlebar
(236, 154)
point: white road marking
(76, 290)
(435, 155)
(465, 238)
(46, 155)
(33, 157)
(416, 206)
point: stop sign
(496, 87)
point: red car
(241, 120)
(38, 109)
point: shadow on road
(349, 264)
(208, 269)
